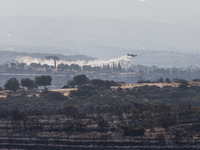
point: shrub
(12, 84)
(101, 122)
(1, 89)
(70, 110)
(129, 130)
(52, 95)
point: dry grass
(5, 93)
(161, 85)
(65, 92)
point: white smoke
(124, 61)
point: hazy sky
(147, 9)
(155, 18)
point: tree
(71, 83)
(55, 58)
(103, 84)
(129, 130)
(79, 80)
(183, 84)
(75, 67)
(35, 65)
(167, 80)
(13, 65)
(12, 84)
(43, 81)
(21, 65)
(54, 96)
(62, 66)
(26, 82)
(70, 110)
(101, 122)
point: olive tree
(27, 82)
(43, 81)
(11, 84)
(78, 80)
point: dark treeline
(95, 95)
(116, 71)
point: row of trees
(77, 81)
(13, 83)
(80, 80)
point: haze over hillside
(97, 37)
(164, 33)
(145, 58)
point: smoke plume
(124, 61)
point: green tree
(43, 81)
(70, 110)
(183, 84)
(11, 84)
(71, 83)
(79, 80)
(27, 82)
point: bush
(70, 110)
(82, 92)
(65, 87)
(18, 115)
(129, 130)
(196, 80)
(1, 89)
(12, 84)
(52, 95)
(101, 122)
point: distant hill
(144, 58)
(11, 55)
(96, 37)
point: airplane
(132, 55)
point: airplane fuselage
(132, 55)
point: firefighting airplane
(132, 55)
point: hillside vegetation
(101, 113)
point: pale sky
(173, 23)
(147, 9)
